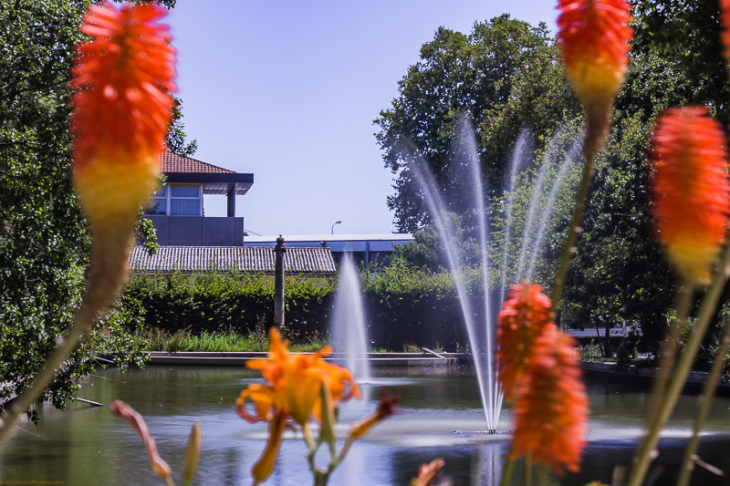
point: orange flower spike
(725, 33)
(551, 409)
(594, 37)
(524, 318)
(121, 113)
(690, 189)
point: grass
(220, 342)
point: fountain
(481, 332)
(347, 324)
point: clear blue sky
(288, 91)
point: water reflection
(86, 445)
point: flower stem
(509, 468)
(707, 307)
(688, 462)
(575, 229)
(668, 353)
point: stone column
(279, 250)
(231, 195)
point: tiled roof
(254, 259)
(172, 163)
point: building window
(184, 200)
(176, 201)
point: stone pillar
(231, 200)
(279, 250)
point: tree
(43, 235)
(472, 75)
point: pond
(441, 416)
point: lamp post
(333, 226)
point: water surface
(441, 416)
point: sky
(288, 91)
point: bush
(402, 305)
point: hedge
(403, 305)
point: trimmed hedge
(403, 305)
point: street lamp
(333, 226)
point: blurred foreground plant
(538, 368)
(121, 112)
(299, 388)
(159, 466)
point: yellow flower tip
(113, 189)
(690, 190)
(594, 37)
(121, 110)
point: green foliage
(403, 305)
(258, 341)
(458, 75)
(227, 302)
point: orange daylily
(294, 382)
(293, 390)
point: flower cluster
(538, 369)
(691, 192)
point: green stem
(574, 229)
(528, 469)
(507, 473)
(707, 308)
(688, 462)
(668, 353)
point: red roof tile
(172, 163)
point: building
(177, 208)
(374, 248)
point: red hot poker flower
(524, 318)
(594, 36)
(552, 407)
(725, 33)
(121, 110)
(690, 189)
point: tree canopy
(460, 74)
(618, 271)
